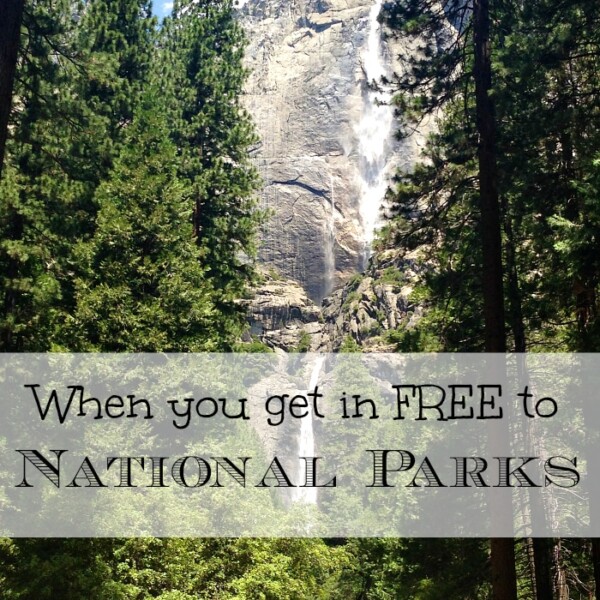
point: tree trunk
(11, 13)
(514, 289)
(559, 585)
(504, 577)
(596, 564)
(542, 558)
(493, 294)
(541, 548)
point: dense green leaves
(203, 50)
(546, 96)
(173, 569)
(64, 140)
(127, 210)
(143, 288)
(544, 55)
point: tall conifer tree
(547, 106)
(75, 95)
(144, 289)
(204, 46)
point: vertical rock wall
(306, 93)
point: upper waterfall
(326, 143)
(374, 132)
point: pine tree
(203, 51)
(546, 98)
(145, 289)
(119, 35)
(74, 96)
(38, 187)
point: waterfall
(374, 133)
(306, 441)
(329, 238)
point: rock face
(307, 93)
(282, 316)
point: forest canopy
(128, 207)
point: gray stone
(282, 316)
(369, 305)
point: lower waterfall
(306, 440)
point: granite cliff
(326, 153)
(326, 141)
(365, 311)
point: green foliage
(545, 55)
(202, 60)
(65, 136)
(349, 345)
(352, 297)
(416, 339)
(354, 282)
(144, 289)
(371, 330)
(43, 157)
(274, 274)
(254, 346)
(170, 569)
(303, 342)
(412, 569)
(548, 139)
(391, 276)
(65, 202)
(119, 34)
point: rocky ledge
(366, 311)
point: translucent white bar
(201, 445)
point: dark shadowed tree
(11, 12)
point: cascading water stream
(306, 441)
(329, 239)
(374, 132)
